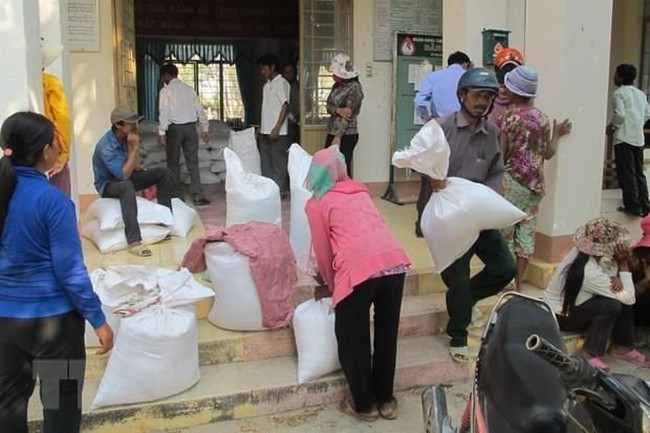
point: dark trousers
(463, 292)
(601, 318)
(423, 199)
(348, 143)
(370, 377)
(631, 179)
(642, 310)
(125, 191)
(183, 137)
(274, 157)
(53, 349)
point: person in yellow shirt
(55, 108)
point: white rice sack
(249, 197)
(109, 213)
(184, 218)
(237, 303)
(109, 241)
(299, 233)
(454, 217)
(156, 355)
(313, 327)
(428, 152)
(244, 144)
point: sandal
(459, 354)
(388, 410)
(200, 201)
(598, 363)
(140, 250)
(633, 356)
(346, 406)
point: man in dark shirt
(476, 156)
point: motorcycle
(524, 381)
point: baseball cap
(125, 114)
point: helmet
(478, 79)
(508, 55)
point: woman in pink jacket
(362, 264)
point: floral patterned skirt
(521, 236)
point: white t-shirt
(596, 282)
(275, 95)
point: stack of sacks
(249, 196)
(106, 227)
(156, 333)
(299, 233)
(211, 164)
(454, 217)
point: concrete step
(246, 389)
(421, 315)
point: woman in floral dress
(526, 142)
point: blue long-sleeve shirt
(42, 271)
(438, 91)
(108, 160)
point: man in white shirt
(273, 138)
(630, 112)
(180, 110)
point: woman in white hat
(526, 142)
(344, 104)
(592, 291)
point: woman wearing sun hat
(343, 105)
(592, 291)
(526, 142)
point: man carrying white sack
(476, 156)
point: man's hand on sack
(438, 184)
(105, 335)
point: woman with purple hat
(526, 142)
(592, 292)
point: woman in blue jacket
(45, 291)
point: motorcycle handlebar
(563, 362)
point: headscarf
(327, 167)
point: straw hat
(342, 67)
(522, 81)
(49, 53)
(599, 236)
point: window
(327, 31)
(216, 84)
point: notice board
(415, 56)
(418, 16)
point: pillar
(569, 45)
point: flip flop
(633, 356)
(598, 363)
(140, 250)
(459, 354)
(388, 410)
(346, 406)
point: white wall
(93, 97)
(20, 77)
(372, 154)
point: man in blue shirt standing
(116, 165)
(437, 98)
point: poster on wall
(83, 25)
(391, 16)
